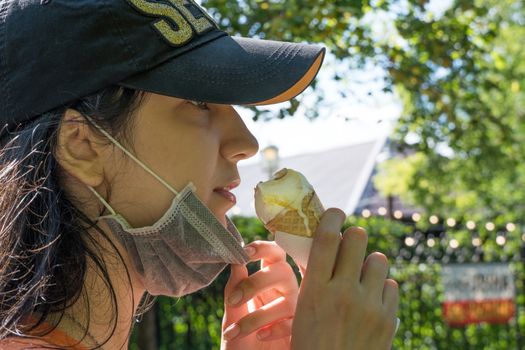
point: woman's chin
(221, 217)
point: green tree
(460, 74)
(468, 123)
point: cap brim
(235, 70)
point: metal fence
(417, 255)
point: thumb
(237, 274)
(234, 313)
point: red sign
(476, 293)
(490, 311)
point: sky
(342, 121)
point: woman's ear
(79, 150)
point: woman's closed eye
(200, 105)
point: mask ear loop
(128, 153)
(135, 159)
(106, 204)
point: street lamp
(270, 159)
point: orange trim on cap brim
(298, 87)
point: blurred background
(415, 127)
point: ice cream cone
(301, 222)
(289, 207)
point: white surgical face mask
(185, 249)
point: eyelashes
(200, 105)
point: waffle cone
(299, 223)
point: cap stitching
(265, 76)
(129, 48)
(3, 57)
(262, 70)
(280, 51)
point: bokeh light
(471, 225)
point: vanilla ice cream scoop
(289, 207)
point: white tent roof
(339, 176)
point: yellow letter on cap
(176, 37)
(201, 23)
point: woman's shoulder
(18, 343)
(50, 341)
(15, 343)
(53, 338)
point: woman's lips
(227, 194)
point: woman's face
(182, 143)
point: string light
(433, 219)
(416, 217)
(471, 225)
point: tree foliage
(469, 121)
(194, 321)
(460, 74)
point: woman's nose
(239, 143)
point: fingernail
(265, 333)
(232, 331)
(250, 251)
(235, 297)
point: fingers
(375, 271)
(351, 254)
(391, 296)
(340, 284)
(350, 267)
(268, 252)
(279, 276)
(237, 274)
(276, 331)
(325, 245)
(275, 312)
(390, 305)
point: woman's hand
(259, 308)
(344, 303)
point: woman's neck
(106, 314)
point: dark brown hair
(44, 237)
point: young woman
(119, 152)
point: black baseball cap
(55, 51)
